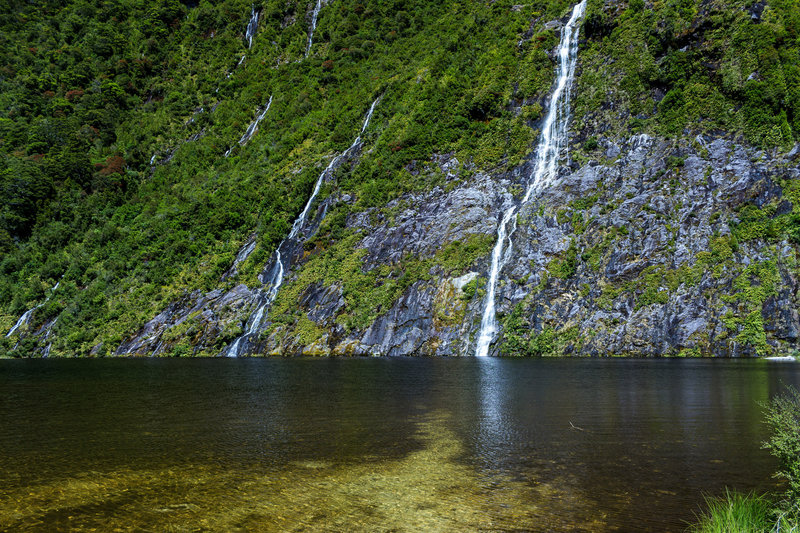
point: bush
(748, 513)
(783, 417)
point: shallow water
(378, 444)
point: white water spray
(26, 316)
(275, 278)
(22, 320)
(553, 139)
(314, 16)
(252, 26)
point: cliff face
(651, 247)
(672, 227)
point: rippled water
(378, 444)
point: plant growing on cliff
(567, 266)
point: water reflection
(625, 434)
(494, 433)
(499, 444)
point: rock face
(662, 250)
(644, 247)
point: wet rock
(656, 267)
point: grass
(735, 513)
(743, 513)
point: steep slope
(671, 229)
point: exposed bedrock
(644, 247)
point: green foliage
(735, 513)
(521, 340)
(567, 265)
(782, 415)
(90, 92)
(690, 65)
(751, 288)
(755, 223)
(369, 294)
(515, 333)
(543, 344)
(747, 513)
(591, 144)
(470, 289)
(652, 292)
(675, 161)
(585, 202)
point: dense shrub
(783, 417)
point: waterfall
(26, 316)
(275, 278)
(551, 142)
(314, 16)
(46, 352)
(252, 26)
(22, 320)
(252, 128)
(241, 256)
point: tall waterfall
(274, 279)
(314, 16)
(553, 139)
(252, 26)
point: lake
(379, 444)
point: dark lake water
(379, 444)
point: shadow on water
(405, 444)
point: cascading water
(275, 278)
(252, 26)
(22, 320)
(554, 134)
(26, 316)
(314, 16)
(252, 128)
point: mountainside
(327, 178)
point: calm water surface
(378, 444)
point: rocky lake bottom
(397, 444)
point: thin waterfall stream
(252, 128)
(26, 316)
(314, 16)
(274, 279)
(252, 27)
(551, 142)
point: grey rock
(637, 288)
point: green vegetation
(783, 418)
(567, 265)
(368, 294)
(735, 513)
(90, 91)
(753, 513)
(739, 292)
(114, 118)
(685, 64)
(520, 341)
